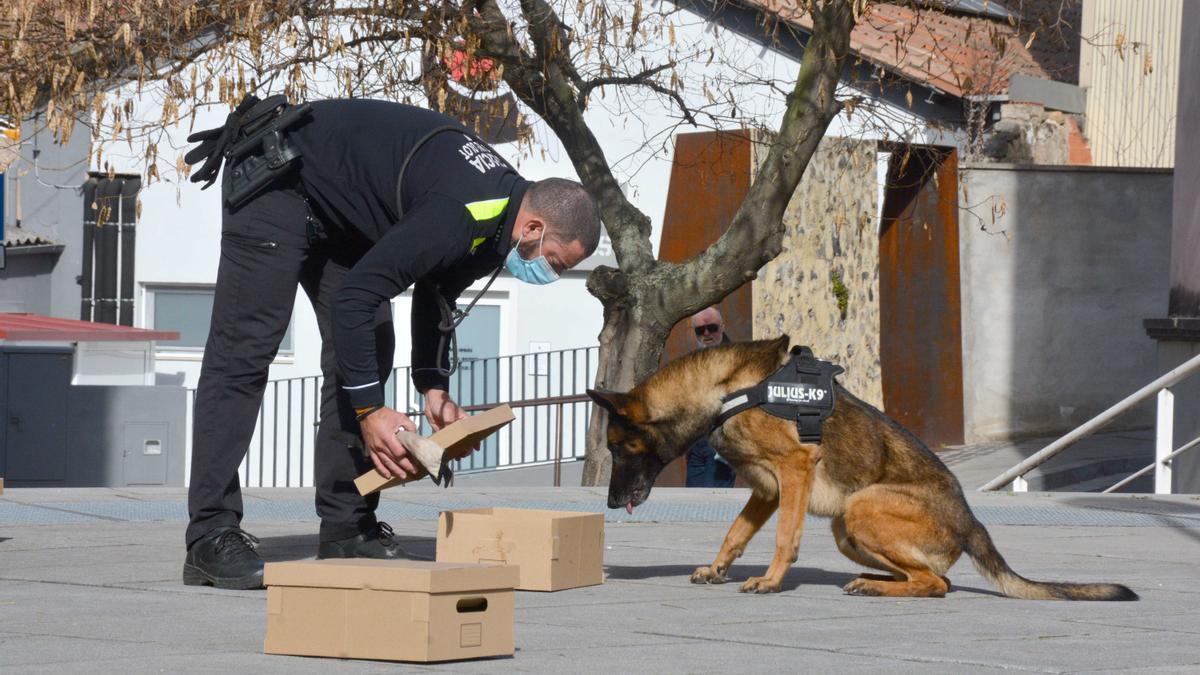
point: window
(188, 309)
(109, 217)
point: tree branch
(641, 79)
(755, 236)
(547, 88)
(550, 37)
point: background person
(706, 468)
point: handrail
(1038, 458)
(559, 401)
(525, 403)
(1150, 467)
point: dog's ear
(781, 343)
(618, 404)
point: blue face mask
(537, 271)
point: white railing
(1164, 436)
(546, 390)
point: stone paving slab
(103, 595)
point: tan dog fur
(894, 506)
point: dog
(895, 506)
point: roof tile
(960, 55)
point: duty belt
(253, 141)
(802, 390)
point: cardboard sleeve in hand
(454, 441)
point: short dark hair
(568, 209)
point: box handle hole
(472, 605)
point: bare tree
(64, 59)
(563, 59)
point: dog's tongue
(629, 508)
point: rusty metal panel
(710, 175)
(919, 295)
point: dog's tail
(978, 544)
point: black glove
(213, 143)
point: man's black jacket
(452, 225)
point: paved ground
(89, 582)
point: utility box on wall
(57, 431)
(60, 435)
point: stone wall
(823, 289)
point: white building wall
(179, 227)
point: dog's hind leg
(848, 548)
(795, 486)
(756, 512)
(890, 529)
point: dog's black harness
(802, 391)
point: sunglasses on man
(707, 328)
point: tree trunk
(631, 345)
(642, 302)
(627, 347)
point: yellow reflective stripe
(475, 244)
(488, 208)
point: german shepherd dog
(895, 506)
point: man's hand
(379, 435)
(441, 410)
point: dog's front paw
(706, 575)
(760, 585)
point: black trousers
(266, 250)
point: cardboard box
(459, 440)
(395, 610)
(1, 486)
(555, 550)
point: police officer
(355, 201)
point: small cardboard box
(555, 550)
(459, 439)
(1, 486)
(395, 610)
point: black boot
(380, 543)
(224, 558)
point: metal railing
(559, 403)
(545, 390)
(1164, 436)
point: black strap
(738, 402)
(803, 370)
(452, 317)
(417, 146)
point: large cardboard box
(555, 550)
(459, 440)
(396, 610)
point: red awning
(34, 328)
